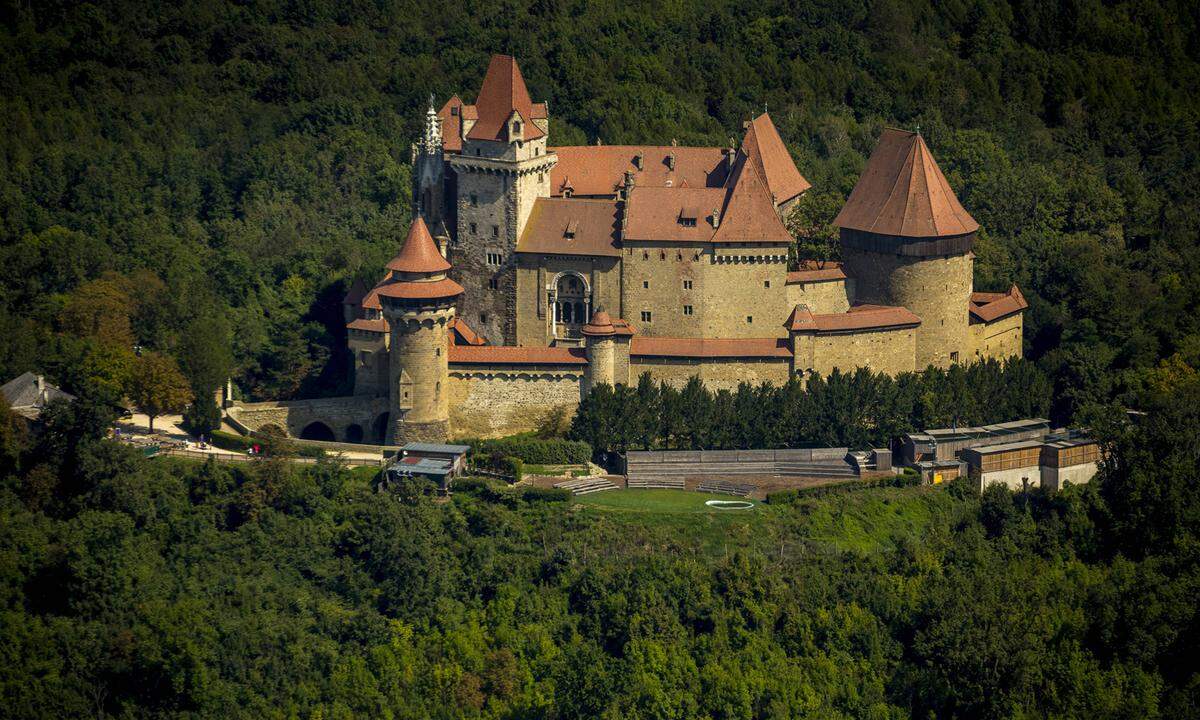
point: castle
(533, 272)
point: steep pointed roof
(774, 163)
(749, 214)
(451, 116)
(502, 94)
(903, 192)
(419, 254)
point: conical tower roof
(903, 192)
(420, 253)
(503, 93)
(771, 159)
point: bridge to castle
(341, 419)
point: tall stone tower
(502, 168)
(418, 302)
(907, 241)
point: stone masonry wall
(535, 272)
(654, 277)
(887, 351)
(294, 415)
(717, 374)
(745, 292)
(826, 296)
(1000, 339)
(497, 401)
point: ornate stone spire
(431, 141)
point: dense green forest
(199, 175)
(202, 180)
(135, 587)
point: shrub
(791, 495)
(513, 467)
(541, 494)
(537, 451)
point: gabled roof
(503, 93)
(419, 254)
(710, 347)
(859, 317)
(766, 150)
(451, 116)
(559, 226)
(654, 213)
(23, 392)
(903, 192)
(600, 169)
(463, 334)
(356, 293)
(515, 355)
(749, 214)
(812, 271)
(989, 307)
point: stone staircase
(586, 485)
(656, 483)
(725, 488)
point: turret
(429, 174)
(607, 343)
(906, 240)
(418, 302)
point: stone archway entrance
(317, 431)
(354, 433)
(571, 304)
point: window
(473, 229)
(766, 283)
(645, 316)
(541, 177)
(493, 283)
(495, 231)
(494, 258)
(662, 254)
(687, 222)
(687, 284)
(474, 200)
(483, 318)
(954, 357)
(645, 255)
(476, 152)
(437, 352)
(645, 284)
(687, 309)
(516, 127)
(749, 318)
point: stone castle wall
(338, 414)
(886, 351)
(823, 297)
(745, 292)
(1000, 339)
(936, 289)
(536, 272)
(496, 401)
(717, 374)
(653, 280)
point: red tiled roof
(515, 355)
(749, 215)
(989, 307)
(421, 290)
(811, 271)
(419, 254)
(451, 117)
(379, 326)
(593, 222)
(600, 325)
(859, 317)
(710, 348)
(903, 192)
(464, 332)
(503, 93)
(600, 169)
(766, 150)
(653, 213)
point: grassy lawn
(866, 521)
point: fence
(237, 457)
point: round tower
(600, 339)
(906, 240)
(418, 303)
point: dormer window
(572, 228)
(687, 216)
(454, 111)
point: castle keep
(533, 272)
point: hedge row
(534, 451)
(269, 444)
(784, 497)
(492, 492)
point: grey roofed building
(29, 393)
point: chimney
(716, 218)
(671, 160)
(639, 161)
(41, 389)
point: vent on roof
(639, 160)
(572, 228)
